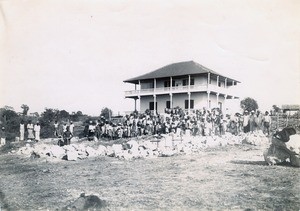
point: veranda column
(208, 79)
(154, 109)
(224, 107)
(217, 100)
(139, 93)
(171, 100)
(189, 102)
(139, 88)
(170, 93)
(154, 96)
(208, 93)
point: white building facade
(187, 85)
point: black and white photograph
(149, 105)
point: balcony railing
(181, 89)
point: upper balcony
(230, 91)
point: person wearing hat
(2, 136)
(37, 130)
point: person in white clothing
(30, 130)
(37, 130)
(22, 131)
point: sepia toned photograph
(149, 105)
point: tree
(63, 115)
(249, 104)
(10, 120)
(25, 109)
(49, 115)
(106, 113)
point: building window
(185, 82)
(168, 104)
(186, 104)
(151, 106)
(192, 81)
(219, 84)
(167, 83)
(151, 85)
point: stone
(57, 151)
(294, 143)
(72, 155)
(131, 144)
(91, 202)
(117, 149)
(101, 150)
(149, 145)
(91, 152)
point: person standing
(71, 127)
(267, 123)
(56, 125)
(246, 122)
(252, 122)
(2, 136)
(37, 130)
(22, 131)
(67, 135)
(30, 130)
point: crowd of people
(177, 121)
(199, 122)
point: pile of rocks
(145, 147)
(257, 138)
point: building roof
(176, 69)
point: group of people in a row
(200, 122)
(33, 130)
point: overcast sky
(74, 55)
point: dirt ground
(227, 178)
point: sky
(75, 54)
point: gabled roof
(175, 69)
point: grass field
(228, 178)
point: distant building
(188, 85)
(285, 108)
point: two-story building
(188, 85)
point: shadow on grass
(259, 163)
(248, 162)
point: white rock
(294, 143)
(167, 153)
(91, 151)
(72, 155)
(210, 142)
(57, 151)
(110, 151)
(132, 144)
(101, 150)
(149, 145)
(117, 149)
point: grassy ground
(228, 178)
